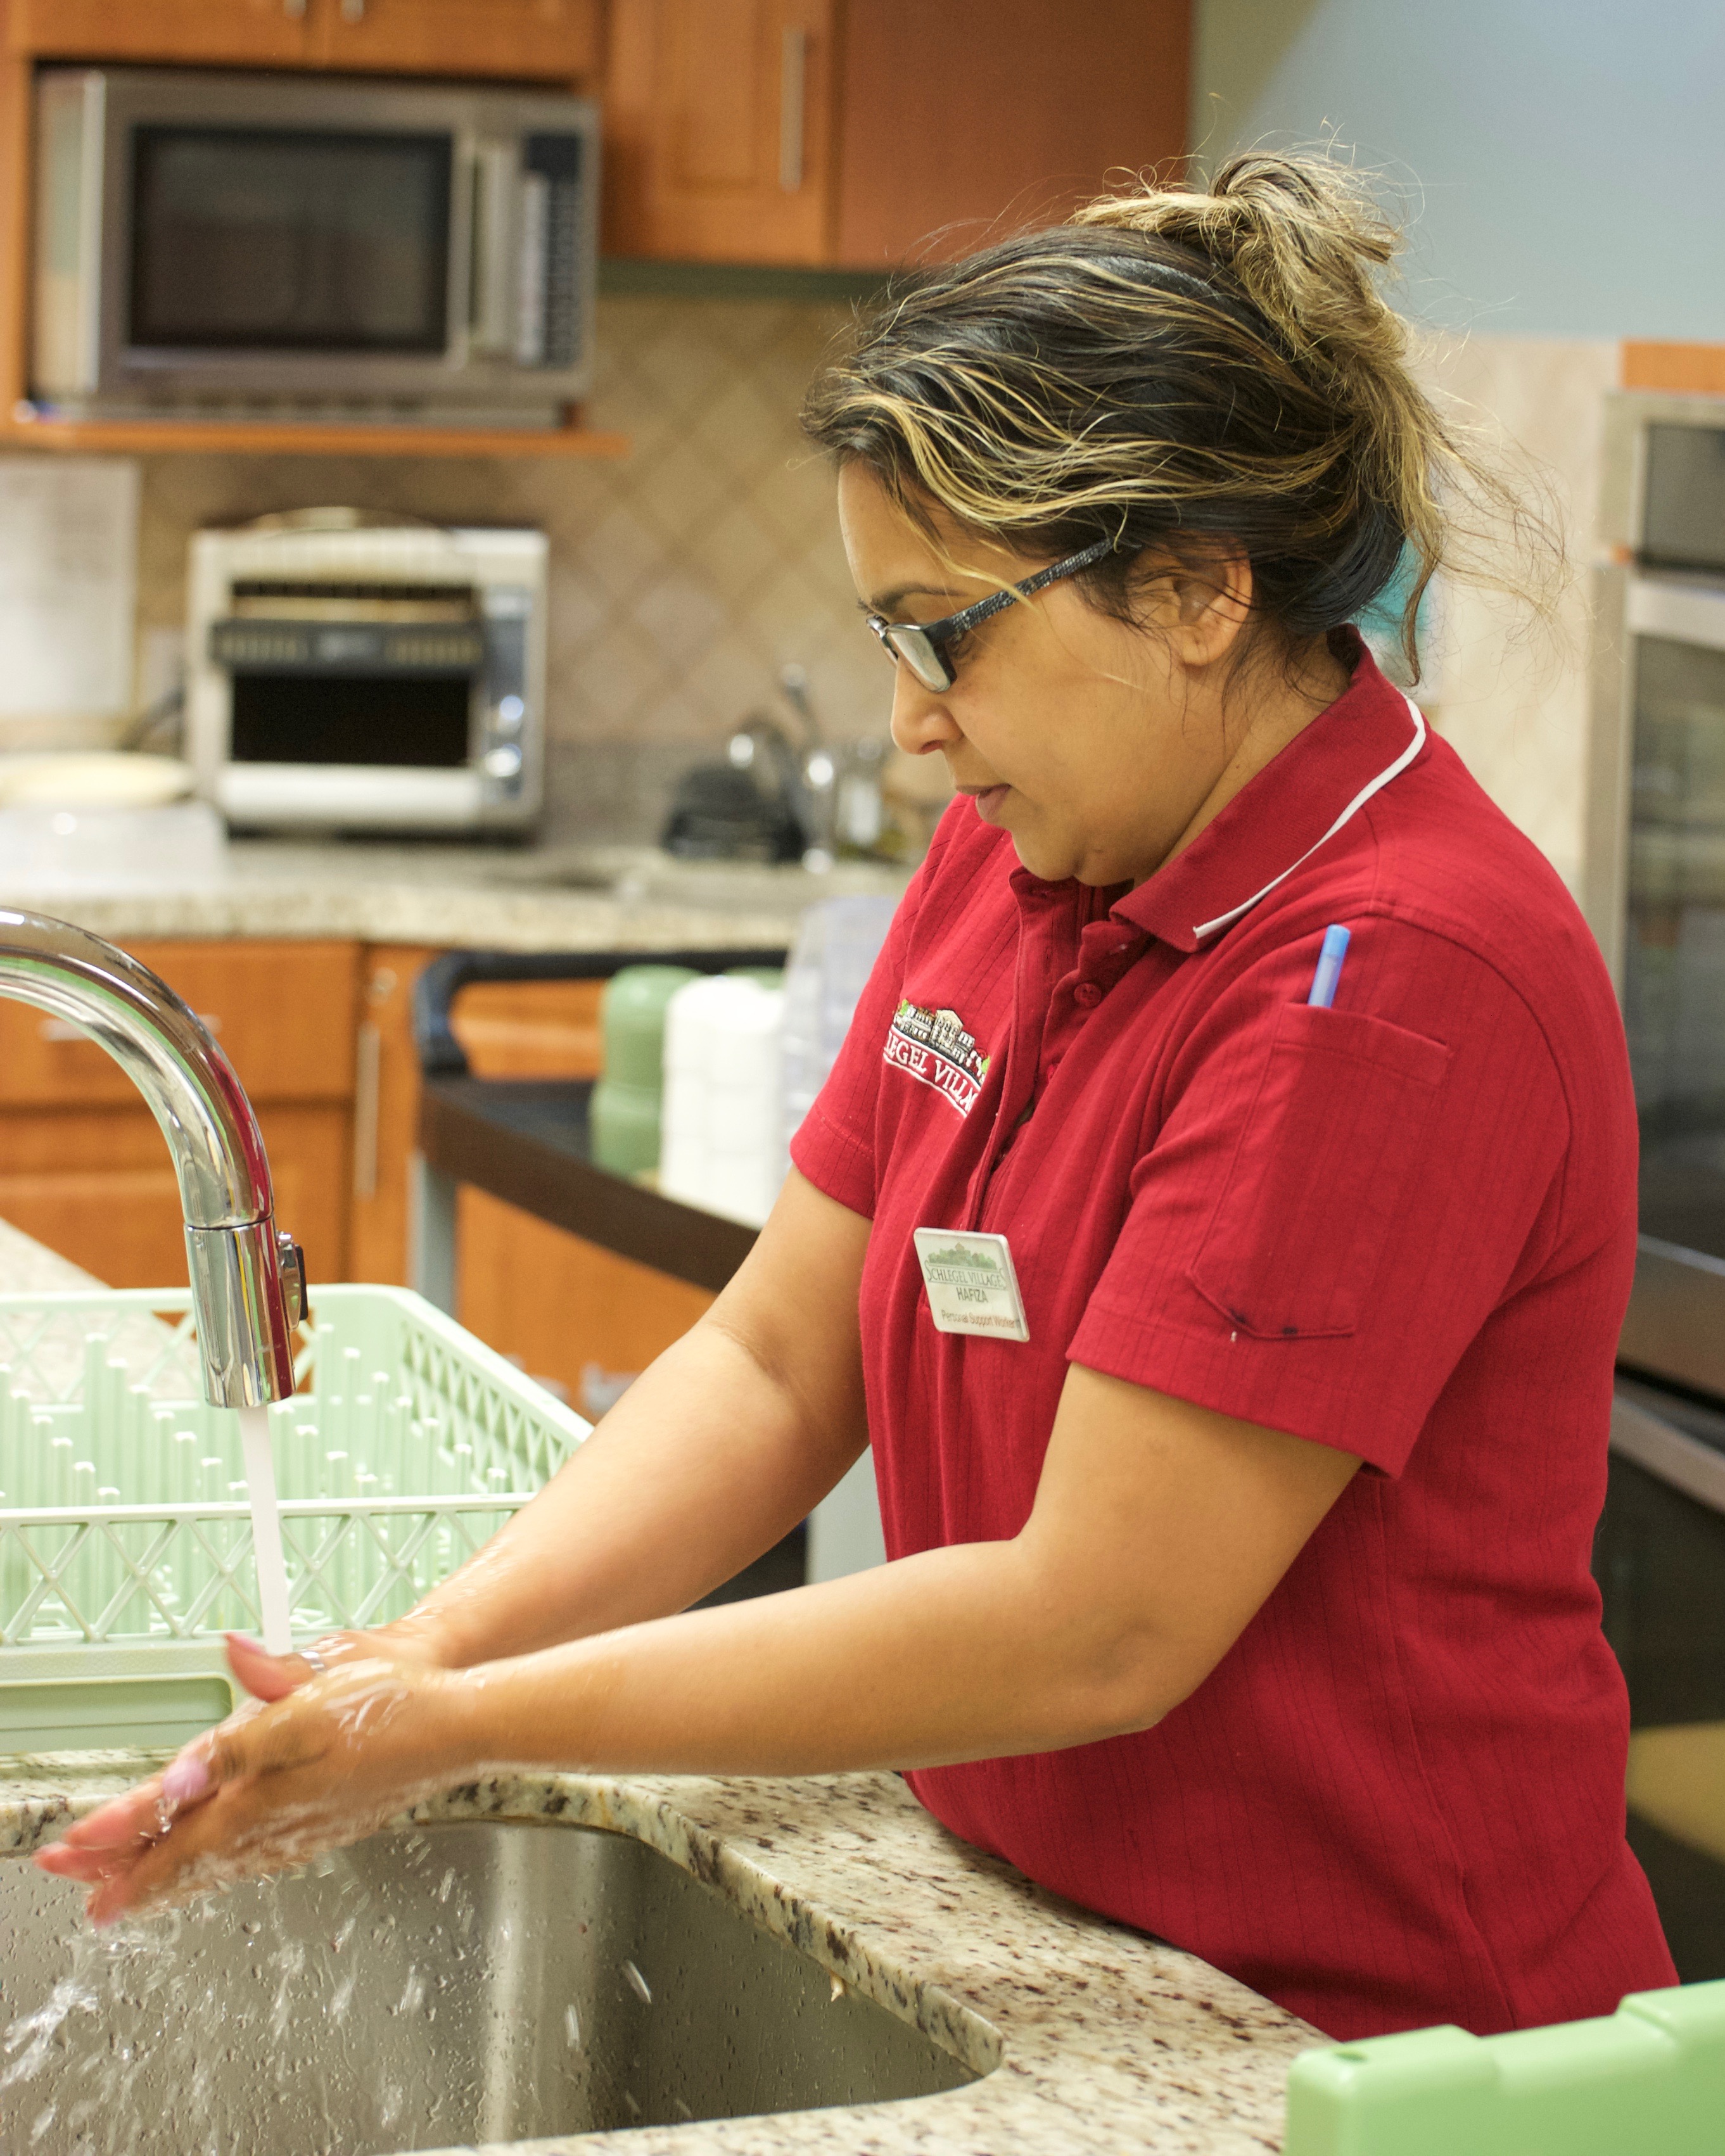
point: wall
(682, 577)
(1562, 168)
(1567, 161)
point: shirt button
(1088, 994)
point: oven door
(1660, 1560)
(1674, 974)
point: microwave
(267, 246)
(348, 674)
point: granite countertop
(1089, 2037)
(479, 897)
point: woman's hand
(279, 1782)
(142, 1815)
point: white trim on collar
(1374, 786)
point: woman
(1237, 1365)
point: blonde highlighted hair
(1177, 367)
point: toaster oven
(344, 676)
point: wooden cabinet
(864, 133)
(281, 1013)
(719, 130)
(98, 1187)
(546, 40)
(322, 1036)
(960, 123)
(386, 1113)
(562, 1307)
(83, 1167)
(550, 40)
(246, 32)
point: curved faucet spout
(247, 1283)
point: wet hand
(274, 1785)
(143, 1813)
(270, 1677)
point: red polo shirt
(1403, 1226)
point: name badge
(972, 1287)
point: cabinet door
(263, 32)
(964, 122)
(282, 1013)
(97, 1186)
(554, 39)
(386, 1112)
(562, 1307)
(719, 130)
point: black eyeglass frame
(920, 644)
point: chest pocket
(1319, 1173)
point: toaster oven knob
(504, 761)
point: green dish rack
(125, 1540)
(1646, 2080)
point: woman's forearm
(706, 1462)
(956, 1653)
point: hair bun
(1302, 239)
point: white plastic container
(837, 944)
(723, 1120)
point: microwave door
(290, 242)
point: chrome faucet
(248, 1281)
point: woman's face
(1098, 746)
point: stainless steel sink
(458, 1984)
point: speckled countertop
(568, 898)
(1088, 2037)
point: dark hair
(1173, 366)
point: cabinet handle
(58, 1029)
(367, 1081)
(294, 9)
(353, 11)
(793, 80)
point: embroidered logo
(933, 1045)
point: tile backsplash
(682, 577)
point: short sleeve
(1336, 1200)
(834, 1146)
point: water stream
(266, 1529)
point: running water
(266, 1529)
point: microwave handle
(494, 187)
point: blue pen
(1329, 967)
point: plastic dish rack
(125, 1539)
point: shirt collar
(1323, 777)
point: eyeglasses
(922, 644)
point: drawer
(531, 1029)
(284, 1014)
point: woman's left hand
(274, 1785)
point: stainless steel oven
(1656, 898)
(209, 241)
